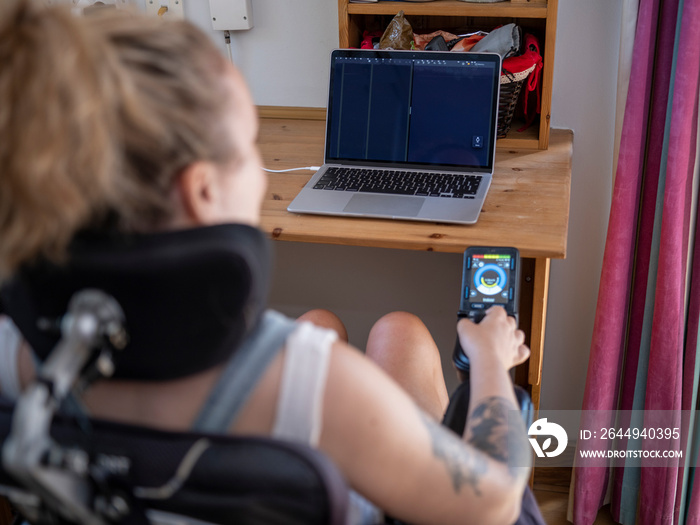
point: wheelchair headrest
(189, 296)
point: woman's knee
(404, 348)
(400, 326)
(401, 335)
(326, 319)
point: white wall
(585, 84)
(285, 56)
(284, 59)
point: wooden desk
(527, 207)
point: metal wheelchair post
(92, 328)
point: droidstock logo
(542, 427)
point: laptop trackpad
(393, 205)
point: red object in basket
(530, 106)
(368, 38)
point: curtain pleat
(630, 11)
(690, 504)
(681, 164)
(665, 383)
(687, 505)
(626, 481)
(658, 486)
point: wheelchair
(60, 466)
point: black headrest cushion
(189, 296)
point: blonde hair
(98, 115)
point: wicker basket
(511, 84)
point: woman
(123, 122)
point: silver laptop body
(428, 117)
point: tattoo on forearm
(491, 432)
(504, 439)
(463, 466)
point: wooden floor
(551, 489)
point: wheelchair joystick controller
(490, 277)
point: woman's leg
(402, 345)
(326, 319)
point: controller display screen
(490, 279)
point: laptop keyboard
(399, 182)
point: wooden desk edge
(278, 234)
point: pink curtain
(656, 164)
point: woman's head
(115, 119)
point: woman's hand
(496, 337)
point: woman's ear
(198, 191)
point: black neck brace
(190, 296)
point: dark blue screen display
(422, 111)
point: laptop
(409, 135)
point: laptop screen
(413, 109)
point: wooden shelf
(453, 8)
(538, 17)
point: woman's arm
(411, 466)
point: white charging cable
(310, 168)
